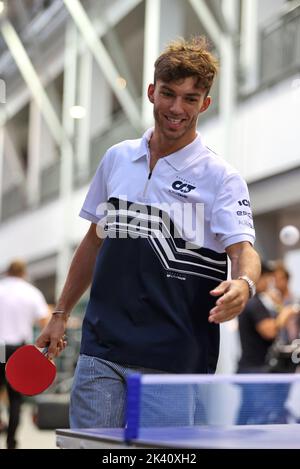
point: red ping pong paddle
(29, 371)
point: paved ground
(29, 436)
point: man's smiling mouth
(174, 121)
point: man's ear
(151, 89)
(206, 104)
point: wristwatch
(251, 285)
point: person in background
(281, 283)
(260, 324)
(282, 277)
(21, 306)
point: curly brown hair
(182, 59)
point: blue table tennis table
(279, 436)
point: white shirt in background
(21, 305)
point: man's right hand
(53, 336)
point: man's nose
(176, 107)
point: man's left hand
(234, 295)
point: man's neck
(160, 146)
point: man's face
(265, 282)
(281, 281)
(177, 105)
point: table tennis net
(164, 400)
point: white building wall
(39, 233)
(266, 130)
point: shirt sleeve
(94, 206)
(258, 312)
(231, 219)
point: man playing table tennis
(159, 285)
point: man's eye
(191, 100)
(166, 93)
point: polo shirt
(165, 235)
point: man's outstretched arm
(234, 294)
(78, 280)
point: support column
(227, 97)
(174, 29)
(66, 167)
(156, 39)
(228, 79)
(151, 51)
(249, 46)
(34, 154)
(83, 125)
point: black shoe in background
(11, 444)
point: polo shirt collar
(178, 160)
(143, 149)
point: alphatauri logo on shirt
(182, 187)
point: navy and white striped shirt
(164, 250)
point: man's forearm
(80, 274)
(233, 294)
(246, 262)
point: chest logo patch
(182, 187)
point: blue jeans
(99, 391)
